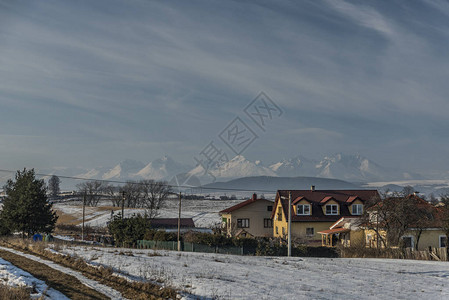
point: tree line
(147, 194)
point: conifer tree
(25, 208)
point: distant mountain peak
(349, 167)
(123, 170)
(161, 169)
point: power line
(136, 182)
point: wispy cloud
(118, 72)
(365, 16)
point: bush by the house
(127, 231)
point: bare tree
(53, 186)
(154, 194)
(92, 191)
(132, 192)
(374, 214)
(444, 215)
(424, 217)
(111, 192)
(395, 215)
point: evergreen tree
(25, 208)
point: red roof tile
(325, 199)
(299, 199)
(352, 199)
(242, 204)
(316, 196)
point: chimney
(312, 188)
(254, 196)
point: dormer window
(303, 209)
(357, 209)
(331, 209)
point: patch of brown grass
(66, 284)
(66, 218)
(14, 293)
(131, 290)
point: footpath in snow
(113, 294)
(15, 277)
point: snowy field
(203, 212)
(244, 277)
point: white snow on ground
(15, 277)
(113, 294)
(203, 212)
(64, 238)
(248, 277)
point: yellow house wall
(357, 237)
(256, 213)
(299, 231)
(228, 223)
(374, 237)
(276, 223)
(299, 228)
(428, 238)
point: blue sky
(91, 83)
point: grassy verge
(131, 290)
(14, 293)
(66, 284)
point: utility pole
(289, 229)
(84, 214)
(123, 204)
(179, 223)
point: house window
(357, 209)
(407, 241)
(242, 223)
(443, 241)
(332, 209)
(310, 231)
(283, 230)
(303, 209)
(267, 223)
(280, 214)
(270, 208)
(277, 230)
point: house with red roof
(313, 211)
(250, 218)
(422, 233)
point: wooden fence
(438, 254)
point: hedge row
(128, 231)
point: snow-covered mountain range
(353, 168)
